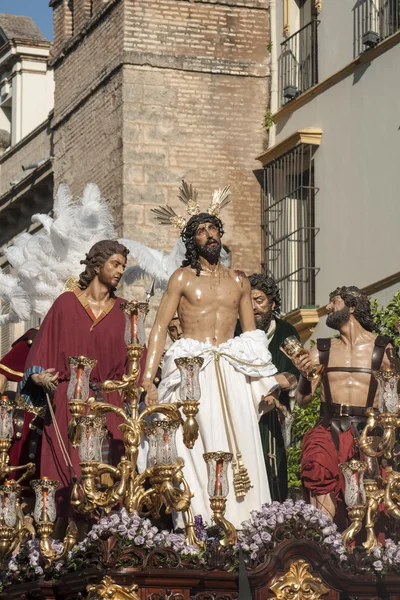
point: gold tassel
(243, 473)
(240, 492)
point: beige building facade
(330, 202)
(26, 160)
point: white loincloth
(245, 385)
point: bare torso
(209, 304)
(208, 307)
(350, 388)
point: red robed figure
(71, 329)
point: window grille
(288, 226)
(298, 62)
(374, 20)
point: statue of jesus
(236, 378)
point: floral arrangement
(386, 557)
(127, 530)
(258, 532)
(131, 529)
(134, 537)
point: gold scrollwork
(299, 584)
(109, 590)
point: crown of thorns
(188, 195)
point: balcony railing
(298, 62)
(374, 20)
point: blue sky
(37, 9)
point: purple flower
(139, 540)
(378, 566)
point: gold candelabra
(162, 482)
(45, 516)
(368, 484)
(7, 408)
(14, 528)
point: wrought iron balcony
(374, 20)
(298, 62)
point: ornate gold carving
(318, 5)
(85, 361)
(189, 361)
(109, 590)
(299, 584)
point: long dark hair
(353, 296)
(97, 256)
(188, 236)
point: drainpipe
(273, 69)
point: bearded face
(210, 251)
(338, 318)
(262, 309)
(208, 242)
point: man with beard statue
(236, 373)
(85, 322)
(266, 303)
(348, 388)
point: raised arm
(168, 305)
(305, 389)
(246, 314)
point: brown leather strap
(377, 356)
(324, 347)
(343, 410)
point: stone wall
(153, 91)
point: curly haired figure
(88, 322)
(236, 374)
(348, 388)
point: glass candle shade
(165, 435)
(91, 437)
(6, 418)
(151, 434)
(135, 313)
(80, 367)
(45, 506)
(189, 369)
(217, 468)
(388, 397)
(353, 473)
(9, 493)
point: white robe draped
(245, 385)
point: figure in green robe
(266, 305)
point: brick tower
(148, 92)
